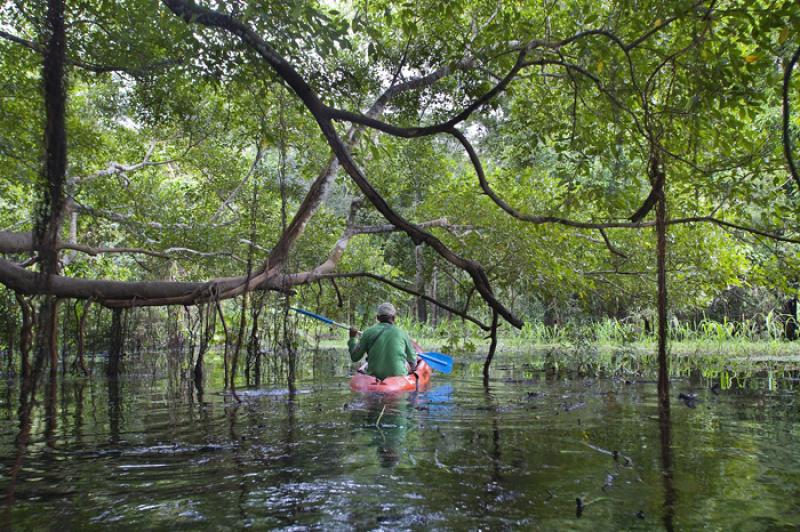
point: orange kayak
(361, 382)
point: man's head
(386, 313)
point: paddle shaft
(322, 318)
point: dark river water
(533, 451)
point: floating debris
(689, 399)
(570, 408)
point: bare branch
(89, 250)
(259, 155)
(351, 230)
(729, 225)
(388, 228)
(407, 290)
(520, 63)
(115, 168)
(613, 249)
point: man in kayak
(388, 348)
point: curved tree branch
(520, 63)
(657, 179)
(500, 202)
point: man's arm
(411, 354)
(356, 346)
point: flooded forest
(408, 265)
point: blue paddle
(320, 318)
(438, 361)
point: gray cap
(386, 309)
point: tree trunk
(663, 366)
(291, 354)
(11, 332)
(25, 336)
(198, 368)
(492, 348)
(238, 347)
(225, 359)
(208, 323)
(51, 209)
(550, 318)
(419, 283)
(114, 410)
(253, 355)
(50, 403)
(257, 369)
(47, 336)
(187, 314)
(435, 295)
(64, 323)
(790, 326)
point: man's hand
(354, 333)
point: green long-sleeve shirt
(387, 347)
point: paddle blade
(438, 361)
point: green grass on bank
(763, 337)
(609, 346)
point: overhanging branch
(193, 13)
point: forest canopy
(497, 157)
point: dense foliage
(189, 155)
